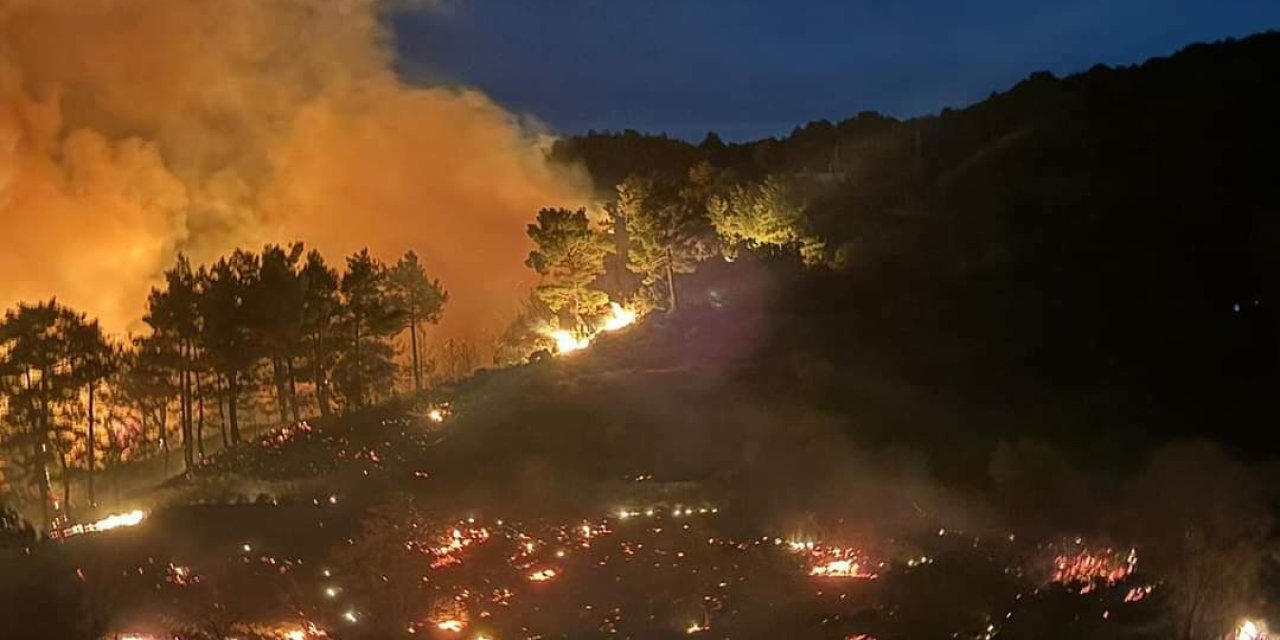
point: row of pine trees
(656, 227)
(281, 323)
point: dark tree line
(1115, 228)
(280, 321)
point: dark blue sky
(751, 68)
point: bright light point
(350, 616)
(331, 592)
(543, 575)
(435, 415)
(1251, 630)
(296, 634)
(695, 627)
(246, 548)
(566, 342)
(450, 625)
(619, 317)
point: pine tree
(232, 348)
(422, 300)
(275, 302)
(366, 365)
(174, 318)
(667, 229)
(570, 258)
(321, 327)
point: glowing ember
(543, 575)
(695, 627)
(619, 318)
(435, 415)
(833, 562)
(841, 569)
(130, 519)
(450, 625)
(1089, 569)
(1251, 630)
(181, 576)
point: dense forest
(1108, 238)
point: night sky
(752, 68)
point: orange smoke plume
(130, 131)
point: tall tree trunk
(320, 380)
(162, 421)
(671, 285)
(66, 483)
(233, 392)
(359, 399)
(90, 447)
(222, 417)
(39, 449)
(413, 346)
(40, 445)
(188, 439)
(293, 389)
(200, 423)
(277, 379)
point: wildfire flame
(450, 625)
(619, 317)
(1089, 569)
(1251, 630)
(567, 342)
(115, 521)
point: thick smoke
(132, 130)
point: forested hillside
(1069, 233)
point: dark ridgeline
(1109, 240)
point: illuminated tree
(570, 258)
(768, 214)
(667, 230)
(526, 334)
(422, 300)
(93, 359)
(232, 349)
(175, 319)
(321, 331)
(365, 365)
(146, 384)
(37, 378)
(275, 301)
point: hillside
(1068, 235)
